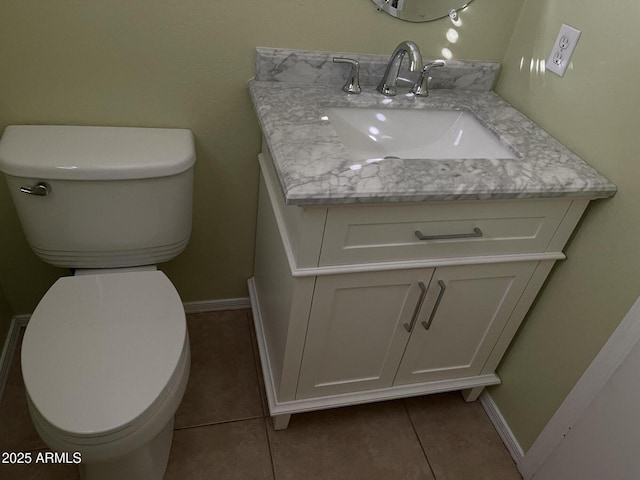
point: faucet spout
(387, 85)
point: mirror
(421, 10)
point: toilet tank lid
(95, 153)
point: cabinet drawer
(370, 234)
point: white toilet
(105, 357)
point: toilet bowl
(105, 361)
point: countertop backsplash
(298, 66)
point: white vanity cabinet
(351, 306)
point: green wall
(185, 64)
(593, 110)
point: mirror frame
(399, 9)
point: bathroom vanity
(382, 277)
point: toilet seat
(102, 352)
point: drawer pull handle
(409, 326)
(476, 233)
(443, 287)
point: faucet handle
(421, 88)
(353, 80)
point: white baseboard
(502, 427)
(10, 344)
(217, 305)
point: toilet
(105, 356)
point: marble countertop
(313, 166)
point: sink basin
(375, 134)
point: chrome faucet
(387, 85)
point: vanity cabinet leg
(471, 394)
(280, 422)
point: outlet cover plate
(562, 50)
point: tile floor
(223, 431)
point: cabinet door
(465, 310)
(356, 334)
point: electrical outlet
(562, 50)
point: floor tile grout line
(266, 432)
(415, 431)
(222, 422)
(258, 366)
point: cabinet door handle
(476, 233)
(409, 326)
(443, 287)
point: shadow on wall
(5, 317)
(24, 278)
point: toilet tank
(115, 196)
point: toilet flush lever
(40, 189)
